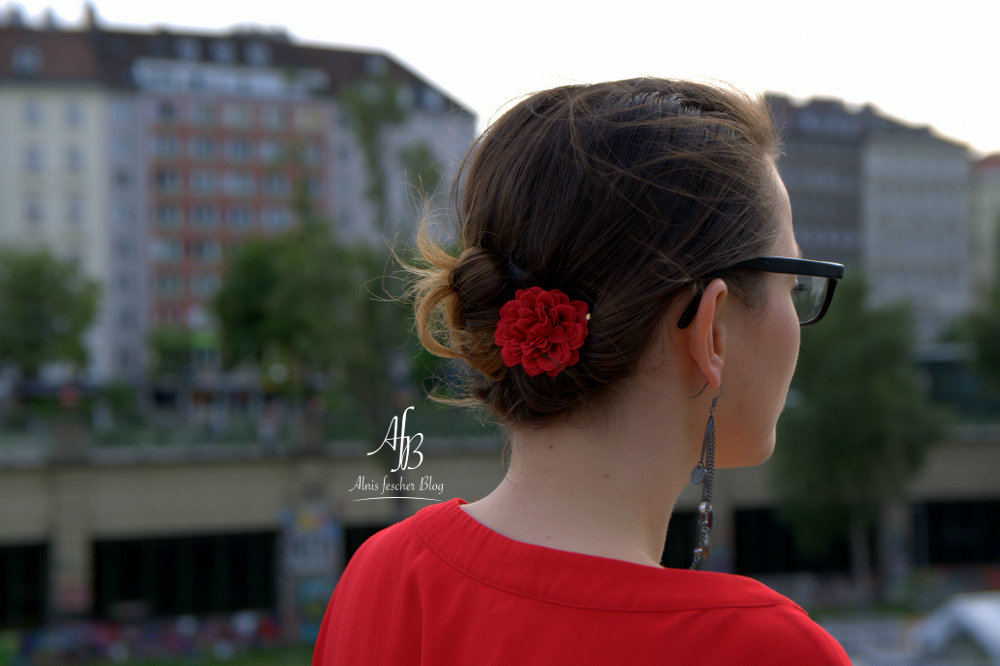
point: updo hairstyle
(620, 194)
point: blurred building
(985, 210)
(885, 197)
(148, 157)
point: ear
(706, 336)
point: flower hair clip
(542, 330)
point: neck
(606, 489)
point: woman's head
(622, 195)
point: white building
(916, 230)
(885, 198)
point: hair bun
(481, 284)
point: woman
(629, 298)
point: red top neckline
(577, 579)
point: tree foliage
(422, 171)
(313, 304)
(172, 347)
(46, 306)
(982, 328)
(858, 421)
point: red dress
(441, 588)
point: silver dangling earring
(703, 474)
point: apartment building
(148, 157)
(882, 196)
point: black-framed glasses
(816, 281)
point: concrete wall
(143, 493)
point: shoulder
(754, 624)
(390, 551)
(786, 635)
(376, 601)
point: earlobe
(706, 339)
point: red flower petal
(541, 330)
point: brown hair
(620, 194)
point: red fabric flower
(541, 330)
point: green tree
(982, 329)
(172, 348)
(46, 306)
(421, 170)
(856, 428)
(310, 303)
(277, 302)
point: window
(168, 216)
(165, 147)
(239, 149)
(952, 532)
(126, 319)
(187, 49)
(74, 210)
(74, 159)
(269, 150)
(239, 218)
(202, 114)
(314, 186)
(122, 179)
(178, 575)
(25, 572)
(122, 146)
(33, 210)
(124, 357)
(203, 182)
(74, 114)
(169, 285)
(33, 159)
(257, 53)
(273, 118)
(205, 217)
(202, 148)
(312, 152)
(309, 120)
(205, 250)
(375, 64)
(167, 250)
(432, 100)
(32, 113)
(237, 115)
(238, 183)
(223, 51)
(764, 545)
(276, 185)
(167, 181)
(166, 113)
(26, 60)
(276, 218)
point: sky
(920, 62)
